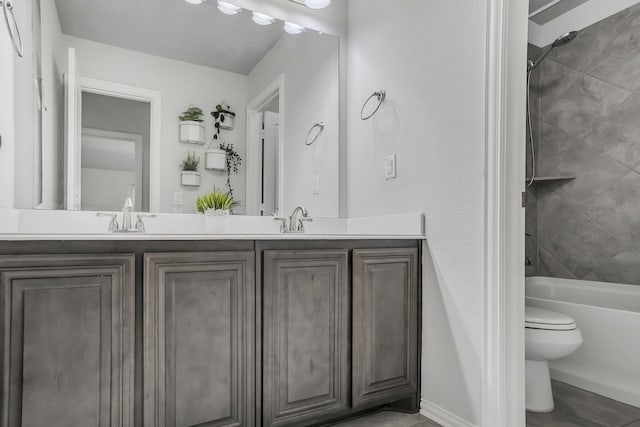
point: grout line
(555, 258)
(592, 220)
(592, 75)
(600, 153)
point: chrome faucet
(296, 224)
(296, 221)
(126, 214)
(126, 219)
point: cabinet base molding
(442, 416)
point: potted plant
(215, 159)
(191, 127)
(216, 203)
(224, 118)
(232, 163)
(190, 176)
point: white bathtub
(608, 315)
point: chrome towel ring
(12, 27)
(380, 96)
(320, 127)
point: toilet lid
(540, 318)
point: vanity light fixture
(313, 4)
(195, 1)
(317, 4)
(262, 19)
(292, 28)
(228, 8)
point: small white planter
(215, 160)
(192, 133)
(229, 121)
(216, 221)
(190, 179)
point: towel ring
(12, 27)
(320, 127)
(380, 95)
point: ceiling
(199, 34)
(554, 11)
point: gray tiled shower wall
(587, 120)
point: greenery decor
(220, 115)
(190, 164)
(232, 162)
(217, 200)
(193, 114)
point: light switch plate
(177, 198)
(390, 167)
(316, 185)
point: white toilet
(548, 336)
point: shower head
(565, 38)
(560, 41)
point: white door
(72, 134)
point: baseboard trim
(442, 416)
(627, 395)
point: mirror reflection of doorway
(114, 152)
(269, 150)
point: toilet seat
(540, 318)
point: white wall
(7, 128)
(25, 127)
(180, 84)
(53, 66)
(309, 63)
(430, 58)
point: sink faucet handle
(113, 224)
(140, 224)
(283, 222)
(302, 221)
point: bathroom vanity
(268, 331)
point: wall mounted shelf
(549, 179)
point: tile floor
(574, 408)
(580, 408)
(389, 419)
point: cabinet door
(199, 339)
(67, 340)
(306, 336)
(385, 324)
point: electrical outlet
(390, 167)
(177, 209)
(316, 185)
(177, 198)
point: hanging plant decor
(224, 118)
(232, 163)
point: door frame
(503, 366)
(154, 99)
(254, 133)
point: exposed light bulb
(292, 28)
(195, 1)
(262, 19)
(317, 4)
(228, 8)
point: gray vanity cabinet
(199, 339)
(306, 340)
(385, 325)
(67, 326)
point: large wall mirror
(99, 101)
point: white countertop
(24, 225)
